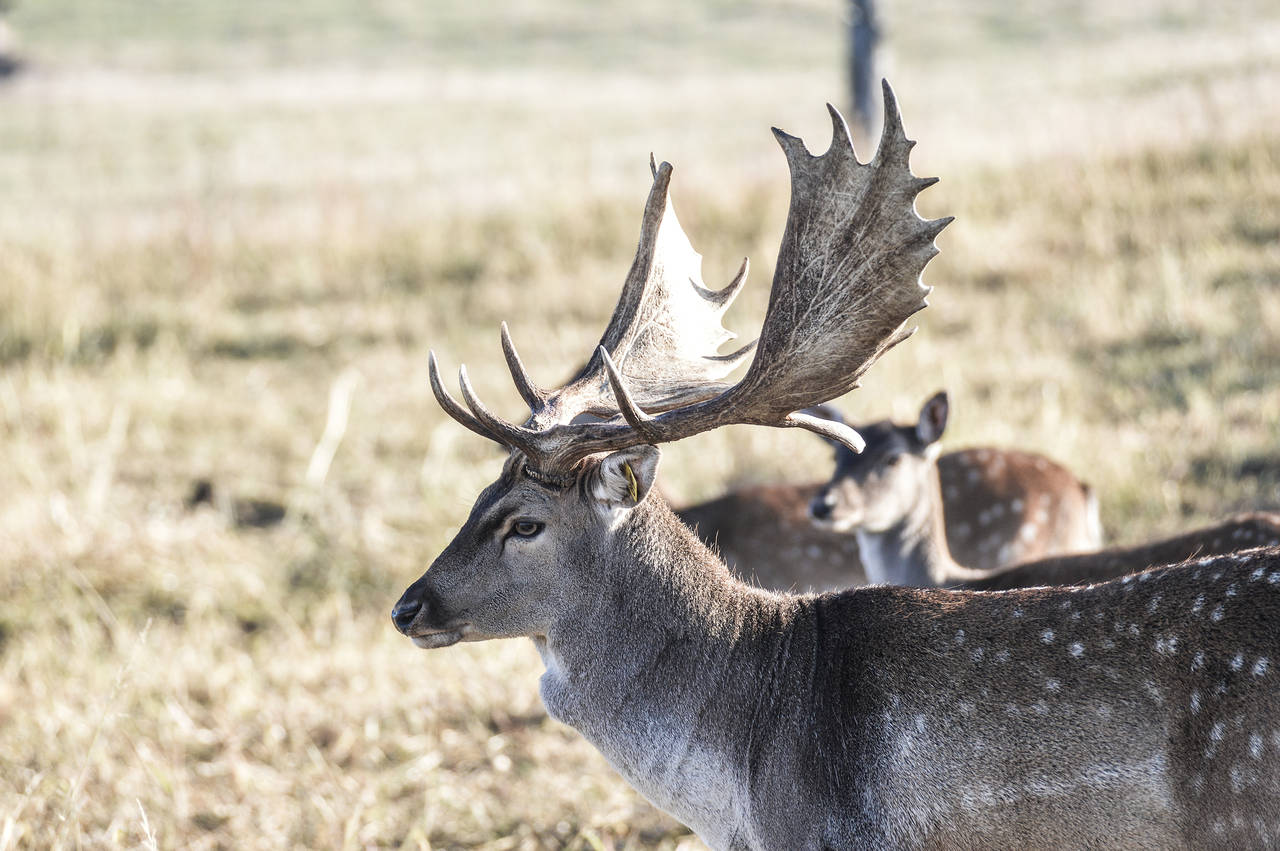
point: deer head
(573, 492)
(889, 479)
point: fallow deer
(1000, 506)
(889, 497)
(1137, 713)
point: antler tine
(533, 396)
(636, 418)
(726, 296)
(508, 434)
(449, 404)
(833, 429)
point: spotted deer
(1139, 713)
(892, 498)
(1000, 507)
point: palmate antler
(663, 338)
(847, 279)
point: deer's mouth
(430, 639)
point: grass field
(215, 213)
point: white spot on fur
(1017, 613)
(1040, 707)
(1198, 604)
(1154, 603)
(1260, 666)
(1255, 745)
(1077, 649)
(1047, 636)
(1195, 701)
(1198, 662)
(1217, 614)
(1258, 574)
(1215, 734)
(1231, 590)
(978, 653)
(959, 636)
(1237, 662)
(1168, 645)
(1052, 685)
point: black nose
(404, 613)
(820, 508)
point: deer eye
(526, 528)
(890, 460)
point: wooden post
(864, 36)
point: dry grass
(208, 220)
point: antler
(847, 279)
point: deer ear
(624, 478)
(933, 419)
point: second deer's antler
(847, 279)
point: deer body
(1138, 713)
(891, 496)
(1000, 507)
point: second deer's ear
(933, 419)
(625, 477)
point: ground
(216, 213)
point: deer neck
(653, 672)
(914, 551)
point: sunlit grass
(193, 250)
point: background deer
(1000, 506)
(880, 717)
(890, 497)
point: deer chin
(842, 525)
(433, 639)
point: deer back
(1138, 713)
(1005, 506)
(1239, 532)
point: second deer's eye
(525, 528)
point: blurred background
(230, 232)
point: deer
(891, 499)
(1136, 713)
(1001, 507)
